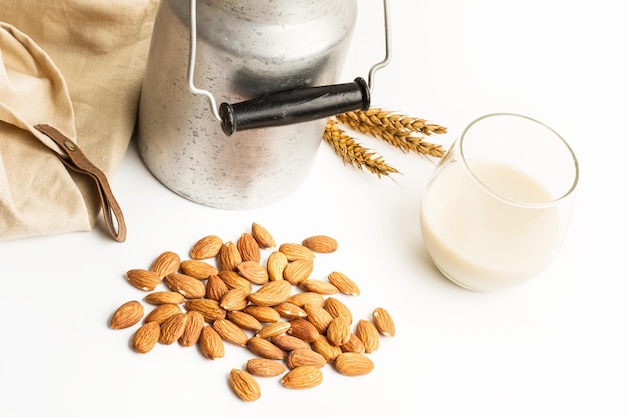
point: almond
(274, 329)
(305, 357)
(353, 345)
(336, 308)
(368, 333)
(127, 315)
(253, 272)
(233, 280)
(297, 271)
(188, 286)
(164, 297)
(162, 313)
(295, 251)
(211, 344)
(353, 364)
(303, 377)
(338, 331)
(172, 329)
(343, 283)
(193, 328)
(229, 257)
(303, 298)
(265, 349)
(383, 322)
(325, 348)
(146, 337)
(289, 343)
(263, 314)
(210, 309)
(248, 248)
(244, 320)
(271, 294)
(230, 332)
(143, 279)
(321, 244)
(318, 286)
(244, 385)
(262, 236)
(264, 367)
(266, 299)
(303, 329)
(207, 247)
(318, 317)
(290, 311)
(276, 264)
(234, 300)
(165, 264)
(215, 288)
(197, 269)
(282, 288)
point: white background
(554, 346)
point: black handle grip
(295, 106)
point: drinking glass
(496, 209)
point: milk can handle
(295, 106)
(291, 106)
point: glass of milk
(496, 209)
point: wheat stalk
(353, 153)
(399, 130)
(395, 121)
(405, 140)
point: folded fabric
(70, 81)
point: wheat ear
(398, 130)
(352, 153)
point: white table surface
(554, 346)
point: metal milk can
(271, 57)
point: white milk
(481, 242)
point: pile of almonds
(294, 324)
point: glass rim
(488, 190)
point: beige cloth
(76, 65)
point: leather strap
(78, 162)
